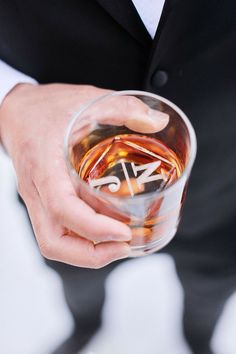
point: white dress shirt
(10, 77)
(149, 11)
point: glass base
(143, 250)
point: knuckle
(26, 190)
(95, 261)
(20, 188)
(46, 249)
(97, 264)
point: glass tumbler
(137, 176)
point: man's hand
(33, 120)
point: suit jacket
(191, 61)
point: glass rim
(187, 169)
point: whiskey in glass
(138, 178)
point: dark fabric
(76, 42)
(85, 294)
(208, 280)
(197, 48)
(92, 42)
(124, 12)
(195, 45)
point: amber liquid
(129, 165)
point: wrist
(16, 90)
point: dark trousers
(207, 275)
(206, 267)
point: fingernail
(149, 122)
(158, 116)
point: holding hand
(33, 120)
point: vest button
(159, 78)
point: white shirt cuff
(9, 78)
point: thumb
(129, 111)
(148, 121)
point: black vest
(192, 61)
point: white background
(140, 316)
